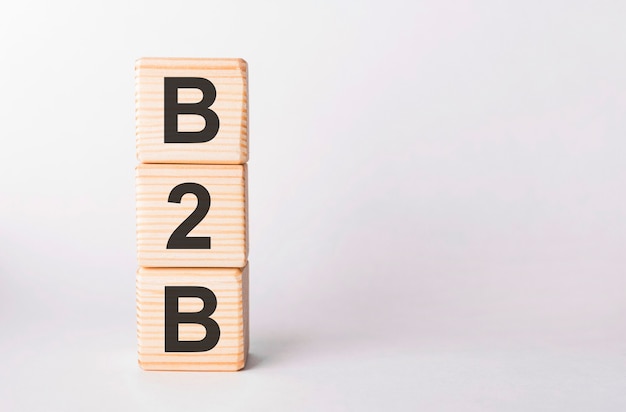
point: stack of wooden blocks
(192, 215)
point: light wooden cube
(230, 79)
(230, 288)
(172, 199)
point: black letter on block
(173, 109)
(173, 318)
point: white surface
(437, 212)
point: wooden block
(230, 313)
(174, 227)
(229, 144)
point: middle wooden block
(192, 215)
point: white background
(437, 191)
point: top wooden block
(205, 118)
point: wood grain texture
(225, 223)
(230, 77)
(229, 285)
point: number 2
(179, 238)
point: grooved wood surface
(225, 223)
(230, 287)
(230, 77)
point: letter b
(173, 318)
(172, 109)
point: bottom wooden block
(192, 319)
